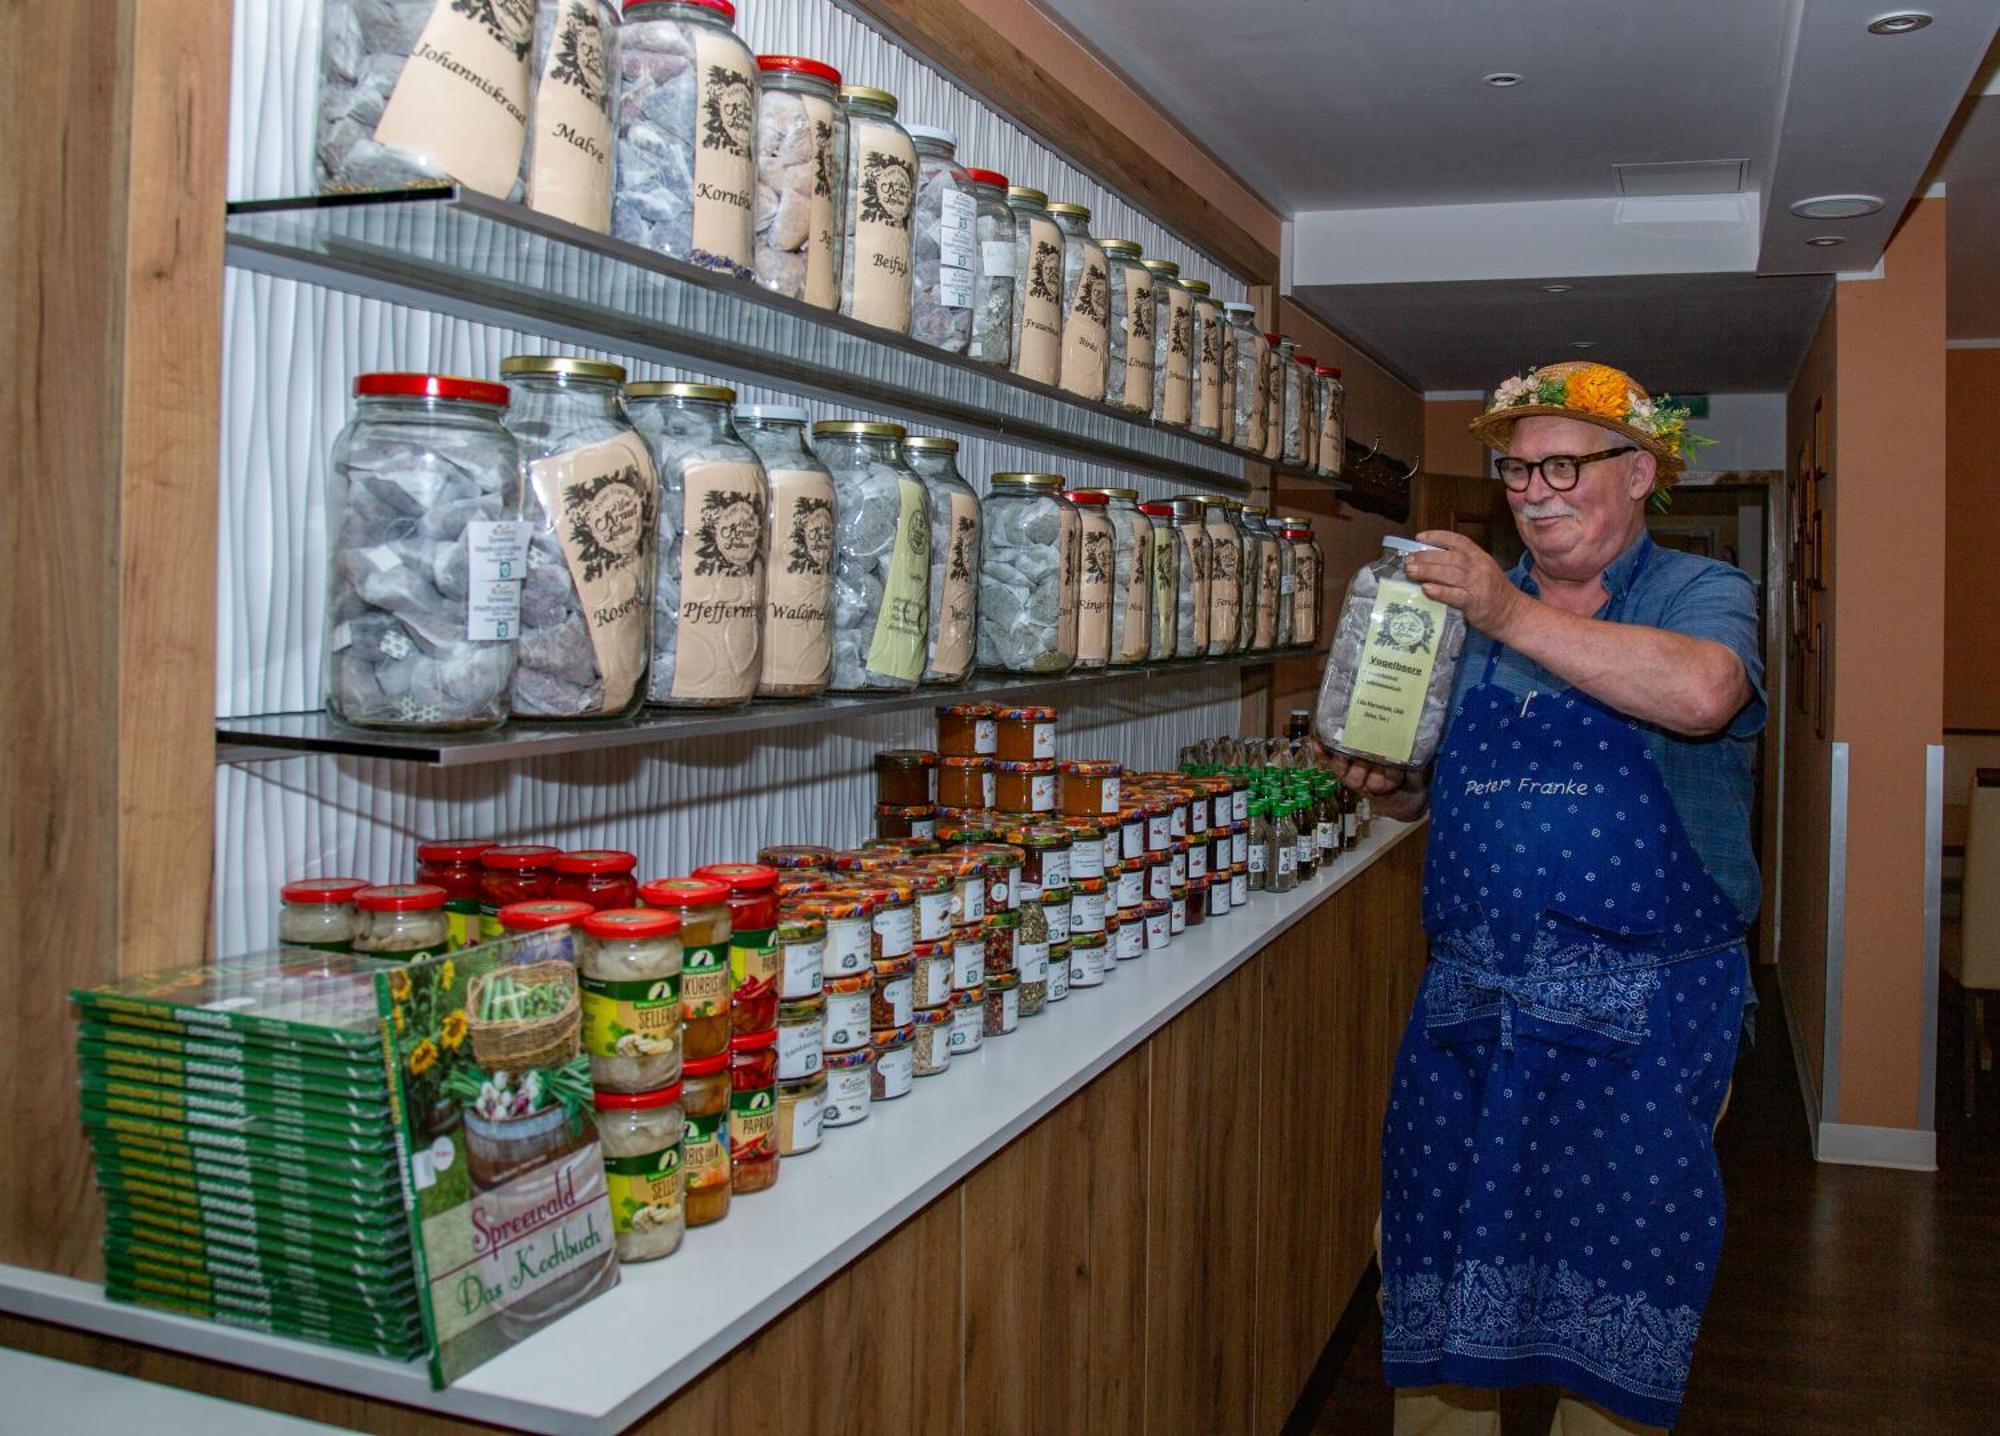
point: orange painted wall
(1449, 447)
(1972, 537)
(1378, 403)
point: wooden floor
(1850, 1300)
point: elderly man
(1551, 1206)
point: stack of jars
(906, 793)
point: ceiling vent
(1649, 181)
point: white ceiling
(1426, 201)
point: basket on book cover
(516, 1026)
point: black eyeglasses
(1559, 471)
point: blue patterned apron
(1551, 1206)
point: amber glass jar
(601, 877)
(967, 730)
(512, 874)
(1090, 787)
(703, 906)
(1024, 734)
(453, 865)
(1024, 785)
(753, 1111)
(898, 821)
(906, 777)
(705, 1158)
(965, 782)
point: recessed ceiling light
(1583, 343)
(1503, 79)
(1899, 22)
(1557, 288)
(1825, 241)
(1837, 206)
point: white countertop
(608, 1363)
(56, 1396)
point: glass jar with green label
(703, 908)
(881, 579)
(1406, 647)
(705, 1085)
(954, 565)
(628, 966)
(1029, 575)
(641, 1134)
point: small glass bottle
(1130, 381)
(801, 139)
(1173, 336)
(1308, 840)
(879, 197)
(944, 253)
(993, 308)
(1086, 347)
(1038, 293)
(953, 633)
(797, 644)
(1028, 576)
(881, 585)
(1263, 846)
(1284, 848)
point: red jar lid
(429, 386)
(519, 858)
(452, 850)
(632, 922)
(721, 7)
(740, 877)
(992, 177)
(705, 1066)
(1274, 338)
(1323, 372)
(322, 890)
(400, 897)
(683, 892)
(597, 860)
(636, 1101)
(1305, 359)
(1088, 498)
(800, 65)
(754, 1041)
(1157, 510)
(534, 916)
(1335, 371)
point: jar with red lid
(965, 782)
(601, 877)
(453, 864)
(628, 968)
(1024, 735)
(753, 942)
(753, 1111)
(906, 777)
(967, 730)
(1024, 785)
(642, 1135)
(510, 874)
(319, 913)
(705, 1091)
(917, 820)
(703, 907)
(795, 855)
(403, 921)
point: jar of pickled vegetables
(601, 877)
(931, 1053)
(641, 1135)
(319, 913)
(453, 865)
(705, 1158)
(703, 908)
(511, 874)
(753, 941)
(404, 921)
(801, 1114)
(753, 1111)
(970, 730)
(895, 1062)
(801, 954)
(628, 966)
(850, 1083)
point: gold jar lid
(929, 444)
(1188, 506)
(1216, 501)
(1165, 268)
(1197, 287)
(1295, 520)
(1255, 510)
(1132, 494)
(857, 428)
(1027, 194)
(869, 94)
(1123, 248)
(1074, 211)
(1034, 482)
(708, 393)
(532, 364)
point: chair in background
(1973, 962)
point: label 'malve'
(569, 154)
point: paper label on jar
(968, 1028)
(1287, 859)
(1138, 282)
(753, 963)
(985, 736)
(849, 946)
(847, 1094)
(1133, 838)
(1197, 814)
(882, 180)
(933, 916)
(722, 581)
(753, 1124)
(569, 153)
(1131, 888)
(1196, 572)
(1225, 593)
(822, 281)
(957, 218)
(725, 153)
(800, 1120)
(1326, 838)
(1058, 977)
(798, 580)
(1178, 869)
(704, 981)
(1031, 960)
(801, 969)
(1056, 869)
(496, 550)
(1332, 441)
(1086, 860)
(1267, 594)
(1159, 882)
(901, 624)
(1057, 914)
(989, 788)
(1197, 861)
(1158, 833)
(1159, 928)
(493, 611)
(1308, 849)
(996, 258)
(1041, 792)
(1239, 842)
(1350, 827)
(645, 1190)
(895, 1072)
(461, 100)
(1180, 356)
(955, 623)
(1305, 596)
(971, 901)
(968, 964)
(599, 500)
(1038, 354)
(799, 1047)
(1209, 415)
(895, 931)
(1093, 614)
(1239, 889)
(705, 1150)
(1131, 940)
(1086, 312)
(637, 1018)
(846, 1020)
(1258, 860)
(1071, 542)
(1133, 584)
(1398, 656)
(1086, 912)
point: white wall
(1749, 433)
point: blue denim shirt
(1711, 780)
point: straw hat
(1596, 394)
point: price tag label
(493, 611)
(956, 244)
(496, 551)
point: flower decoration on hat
(1597, 394)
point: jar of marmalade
(916, 820)
(753, 942)
(1024, 735)
(967, 730)
(1024, 786)
(511, 874)
(601, 877)
(1090, 787)
(906, 777)
(753, 1111)
(453, 864)
(965, 782)
(703, 906)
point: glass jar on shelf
(1407, 644)
(1296, 373)
(686, 124)
(953, 630)
(1227, 545)
(1282, 528)
(994, 289)
(1308, 411)
(709, 603)
(1205, 359)
(1129, 379)
(319, 913)
(801, 1114)
(705, 1155)
(1096, 576)
(1277, 358)
(753, 1111)
(1332, 423)
(944, 251)
(453, 864)
(1163, 563)
(402, 921)
(1262, 573)
(641, 1134)
(1038, 294)
(879, 200)
(1193, 595)
(601, 877)
(1086, 304)
(1131, 576)
(753, 941)
(511, 873)
(628, 964)
(797, 643)
(850, 1079)
(703, 908)
(1244, 345)
(1225, 430)
(1309, 573)
(423, 503)
(1173, 344)
(801, 139)
(1029, 575)
(881, 582)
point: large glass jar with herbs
(1227, 545)
(423, 503)
(879, 200)
(566, 170)
(1248, 394)
(1205, 345)
(686, 122)
(797, 645)
(1225, 429)
(1287, 578)
(1332, 422)
(1298, 369)
(1129, 379)
(1308, 574)
(1086, 343)
(1387, 689)
(952, 641)
(801, 142)
(1193, 597)
(1173, 343)
(1028, 576)
(1163, 569)
(1131, 577)
(591, 499)
(944, 249)
(1038, 293)
(709, 615)
(1275, 414)
(993, 291)
(1262, 575)
(1096, 577)
(882, 547)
